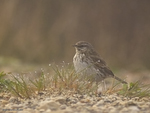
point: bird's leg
(99, 90)
(104, 86)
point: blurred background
(43, 31)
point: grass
(136, 89)
(62, 78)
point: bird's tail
(122, 81)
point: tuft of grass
(62, 78)
(39, 83)
(65, 78)
(114, 88)
(2, 81)
(133, 89)
(18, 87)
(136, 89)
(59, 80)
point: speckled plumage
(88, 62)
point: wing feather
(100, 64)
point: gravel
(74, 103)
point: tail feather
(122, 81)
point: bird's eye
(82, 46)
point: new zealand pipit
(88, 62)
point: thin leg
(104, 86)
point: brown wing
(100, 64)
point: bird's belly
(86, 68)
(82, 66)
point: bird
(89, 63)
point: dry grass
(62, 78)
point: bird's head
(83, 47)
